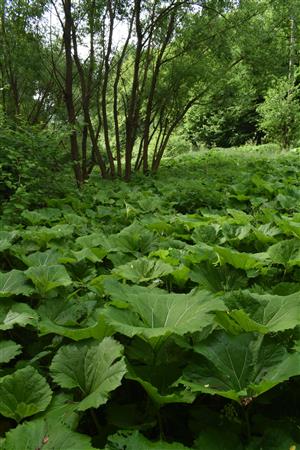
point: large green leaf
(97, 330)
(134, 239)
(47, 258)
(46, 278)
(245, 261)
(286, 253)
(136, 441)
(143, 269)
(216, 279)
(95, 369)
(92, 254)
(153, 313)
(43, 235)
(264, 312)
(43, 215)
(92, 240)
(12, 314)
(75, 318)
(14, 283)
(9, 350)
(239, 366)
(23, 394)
(39, 434)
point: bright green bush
(280, 114)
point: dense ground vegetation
(141, 308)
(161, 313)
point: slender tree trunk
(69, 98)
(105, 87)
(133, 110)
(154, 81)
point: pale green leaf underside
(12, 314)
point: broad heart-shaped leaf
(12, 314)
(23, 394)
(95, 368)
(264, 313)
(154, 313)
(143, 269)
(8, 351)
(39, 434)
(46, 278)
(134, 239)
(136, 441)
(240, 366)
(286, 253)
(14, 283)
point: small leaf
(8, 351)
(136, 441)
(12, 314)
(143, 269)
(92, 254)
(23, 393)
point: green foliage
(32, 163)
(23, 394)
(152, 313)
(95, 370)
(280, 114)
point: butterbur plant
(126, 326)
